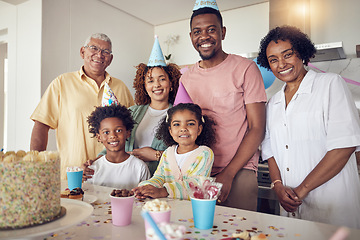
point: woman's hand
(287, 198)
(147, 154)
(301, 192)
(146, 191)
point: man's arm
(256, 119)
(39, 136)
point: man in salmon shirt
(230, 89)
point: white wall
(335, 21)
(68, 23)
(244, 29)
(44, 38)
(330, 21)
(23, 23)
(3, 56)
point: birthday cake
(29, 188)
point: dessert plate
(76, 211)
(89, 198)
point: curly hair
(100, 113)
(300, 42)
(207, 135)
(141, 96)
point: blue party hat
(156, 56)
(205, 3)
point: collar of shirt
(85, 77)
(305, 87)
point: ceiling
(158, 12)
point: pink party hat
(156, 56)
(108, 97)
(205, 3)
(182, 96)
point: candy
(121, 193)
(204, 188)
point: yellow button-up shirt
(65, 106)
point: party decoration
(182, 95)
(267, 75)
(204, 188)
(346, 79)
(204, 3)
(156, 56)
(108, 97)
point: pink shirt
(222, 92)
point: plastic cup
(203, 212)
(159, 217)
(74, 179)
(121, 209)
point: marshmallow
(74, 169)
(156, 206)
(170, 231)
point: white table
(226, 222)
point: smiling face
(206, 35)
(157, 86)
(113, 134)
(284, 62)
(184, 129)
(96, 63)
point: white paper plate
(76, 211)
(89, 198)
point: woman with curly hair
(189, 134)
(156, 88)
(312, 131)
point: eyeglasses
(95, 49)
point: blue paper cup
(203, 212)
(74, 179)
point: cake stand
(76, 211)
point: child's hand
(146, 191)
(88, 172)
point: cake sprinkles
(29, 188)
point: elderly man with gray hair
(70, 98)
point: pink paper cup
(121, 209)
(159, 217)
